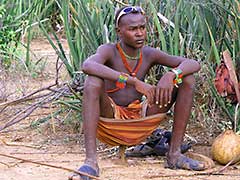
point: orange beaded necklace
(133, 72)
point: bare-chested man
(122, 67)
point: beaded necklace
(133, 72)
(130, 57)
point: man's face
(132, 29)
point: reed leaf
(156, 20)
(213, 45)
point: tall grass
(17, 20)
(196, 29)
(201, 30)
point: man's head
(127, 10)
(130, 24)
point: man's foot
(84, 169)
(184, 162)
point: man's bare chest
(132, 67)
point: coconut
(226, 147)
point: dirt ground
(63, 147)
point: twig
(27, 111)
(50, 165)
(25, 98)
(57, 70)
(9, 165)
(39, 114)
(30, 153)
(228, 164)
(21, 115)
(235, 117)
(5, 164)
(74, 93)
(211, 173)
(54, 94)
(14, 144)
(191, 175)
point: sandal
(87, 170)
(141, 150)
(162, 147)
(157, 144)
(156, 135)
(184, 162)
(147, 148)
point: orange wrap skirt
(129, 125)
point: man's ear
(118, 31)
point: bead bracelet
(178, 78)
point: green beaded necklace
(130, 57)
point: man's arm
(165, 85)
(188, 66)
(95, 65)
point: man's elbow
(86, 68)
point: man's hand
(146, 89)
(164, 89)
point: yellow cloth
(129, 126)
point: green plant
(8, 37)
(196, 29)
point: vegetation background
(198, 29)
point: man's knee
(189, 81)
(93, 85)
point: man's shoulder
(147, 48)
(107, 46)
(151, 49)
(107, 50)
(154, 54)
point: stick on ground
(50, 165)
